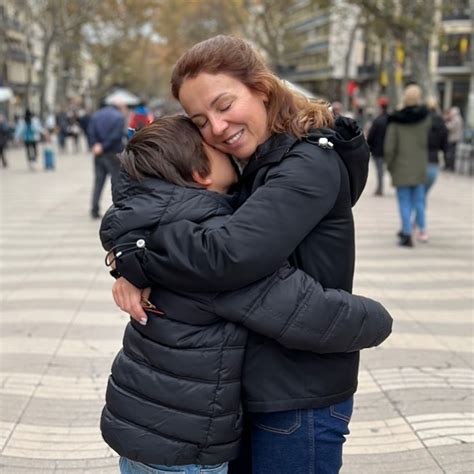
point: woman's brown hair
(170, 148)
(287, 111)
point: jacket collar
(409, 114)
(271, 151)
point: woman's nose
(218, 125)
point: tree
(54, 20)
(409, 24)
(118, 39)
(182, 23)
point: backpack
(29, 133)
(139, 120)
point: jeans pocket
(281, 422)
(343, 410)
(127, 466)
(216, 469)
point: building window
(454, 50)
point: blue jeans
(411, 199)
(127, 466)
(431, 175)
(300, 441)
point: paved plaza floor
(60, 329)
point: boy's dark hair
(169, 148)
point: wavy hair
(288, 111)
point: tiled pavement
(60, 330)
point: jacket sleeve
(371, 134)
(293, 309)
(390, 145)
(257, 238)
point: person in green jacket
(406, 156)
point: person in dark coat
(185, 336)
(304, 171)
(375, 139)
(4, 137)
(105, 133)
(406, 156)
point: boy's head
(171, 148)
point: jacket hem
(253, 406)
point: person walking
(62, 124)
(455, 126)
(375, 139)
(406, 157)
(4, 137)
(106, 132)
(304, 172)
(28, 131)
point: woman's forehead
(206, 89)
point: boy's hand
(128, 298)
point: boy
(173, 399)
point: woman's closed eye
(225, 107)
(200, 123)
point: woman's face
(230, 116)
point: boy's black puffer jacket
(174, 393)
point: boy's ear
(204, 181)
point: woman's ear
(204, 181)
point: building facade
(454, 56)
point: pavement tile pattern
(60, 329)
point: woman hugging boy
(173, 399)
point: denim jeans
(127, 466)
(379, 164)
(431, 175)
(104, 165)
(411, 199)
(300, 441)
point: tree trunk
(44, 72)
(391, 73)
(347, 62)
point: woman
(406, 156)
(29, 131)
(296, 193)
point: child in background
(173, 399)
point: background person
(28, 131)
(406, 156)
(455, 126)
(437, 142)
(296, 194)
(4, 138)
(375, 140)
(106, 132)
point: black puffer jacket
(299, 207)
(174, 393)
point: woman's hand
(128, 298)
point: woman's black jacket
(299, 208)
(437, 138)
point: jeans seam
(338, 415)
(289, 431)
(311, 433)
